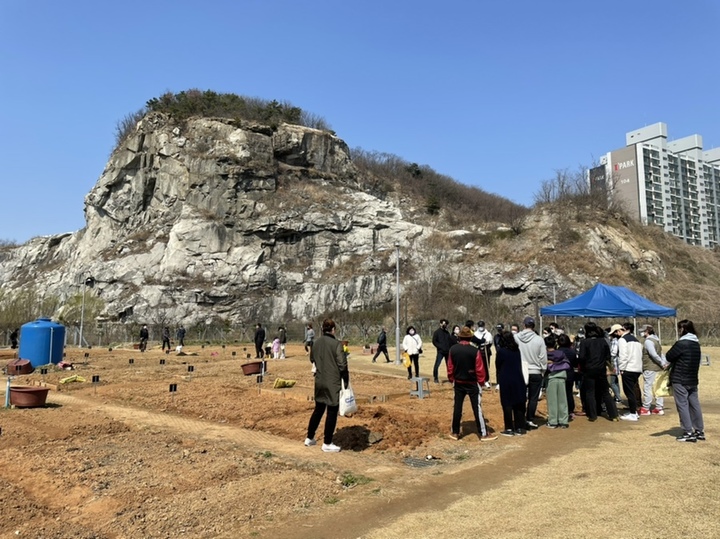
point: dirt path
(251, 440)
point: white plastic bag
(347, 399)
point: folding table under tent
(605, 301)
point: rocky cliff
(209, 219)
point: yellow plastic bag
(661, 385)
(406, 359)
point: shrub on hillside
(439, 194)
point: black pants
(143, 344)
(629, 383)
(330, 421)
(514, 416)
(597, 390)
(166, 342)
(438, 361)
(415, 359)
(472, 391)
(259, 353)
(569, 386)
(535, 382)
(382, 349)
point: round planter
(28, 397)
(256, 367)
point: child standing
(276, 348)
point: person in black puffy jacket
(684, 358)
(593, 357)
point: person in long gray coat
(330, 367)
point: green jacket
(331, 364)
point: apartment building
(672, 184)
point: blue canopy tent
(604, 301)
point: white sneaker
(629, 417)
(330, 448)
(310, 441)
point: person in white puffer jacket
(412, 345)
(630, 363)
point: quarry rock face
(212, 219)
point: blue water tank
(42, 342)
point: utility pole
(89, 281)
(397, 304)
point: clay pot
(28, 397)
(256, 367)
(19, 366)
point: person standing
(166, 338)
(441, 342)
(144, 336)
(180, 335)
(653, 363)
(485, 340)
(630, 363)
(259, 340)
(614, 368)
(282, 335)
(14, 338)
(497, 339)
(534, 356)
(309, 338)
(684, 358)
(382, 346)
(454, 336)
(513, 389)
(558, 366)
(466, 371)
(331, 368)
(564, 345)
(412, 346)
(593, 357)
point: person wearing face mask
(412, 345)
(485, 340)
(441, 341)
(514, 329)
(454, 336)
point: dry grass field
(223, 457)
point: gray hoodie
(532, 351)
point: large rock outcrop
(215, 218)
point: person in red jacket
(466, 370)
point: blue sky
(494, 94)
